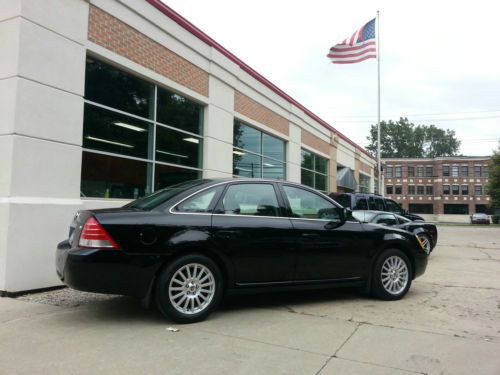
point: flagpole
(380, 187)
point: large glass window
(446, 189)
(477, 171)
(106, 85)
(411, 189)
(464, 171)
(398, 171)
(429, 171)
(257, 154)
(465, 189)
(364, 183)
(389, 189)
(478, 190)
(420, 190)
(455, 189)
(454, 171)
(126, 152)
(314, 172)
(456, 209)
(429, 190)
(420, 171)
(411, 171)
(398, 190)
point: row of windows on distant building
(448, 171)
(429, 190)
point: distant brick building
(444, 185)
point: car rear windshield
(161, 196)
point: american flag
(358, 47)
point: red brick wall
(256, 111)
(315, 142)
(115, 35)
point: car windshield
(161, 196)
(364, 216)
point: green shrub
(495, 219)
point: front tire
(426, 242)
(392, 275)
(189, 288)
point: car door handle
(228, 234)
(310, 236)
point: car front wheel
(189, 288)
(426, 242)
(392, 275)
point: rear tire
(392, 275)
(189, 288)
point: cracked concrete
(449, 323)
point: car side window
(251, 200)
(386, 219)
(201, 202)
(393, 206)
(376, 204)
(361, 203)
(308, 205)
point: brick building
(103, 101)
(439, 186)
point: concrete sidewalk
(448, 324)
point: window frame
(263, 157)
(150, 158)
(315, 171)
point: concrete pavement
(449, 323)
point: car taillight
(93, 235)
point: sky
(439, 60)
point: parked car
(186, 246)
(479, 218)
(426, 232)
(374, 202)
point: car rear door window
(200, 203)
(361, 203)
(308, 205)
(251, 200)
(376, 204)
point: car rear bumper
(105, 271)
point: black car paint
(254, 253)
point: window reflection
(114, 88)
(314, 172)
(131, 135)
(113, 132)
(177, 111)
(177, 148)
(258, 154)
(167, 175)
(105, 176)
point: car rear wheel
(426, 242)
(392, 275)
(189, 288)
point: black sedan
(186, 246)
(426, 232)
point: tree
(494, 179)
(402, 139)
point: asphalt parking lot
(449, 323)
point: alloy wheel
(191, 288)
(394, 275)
